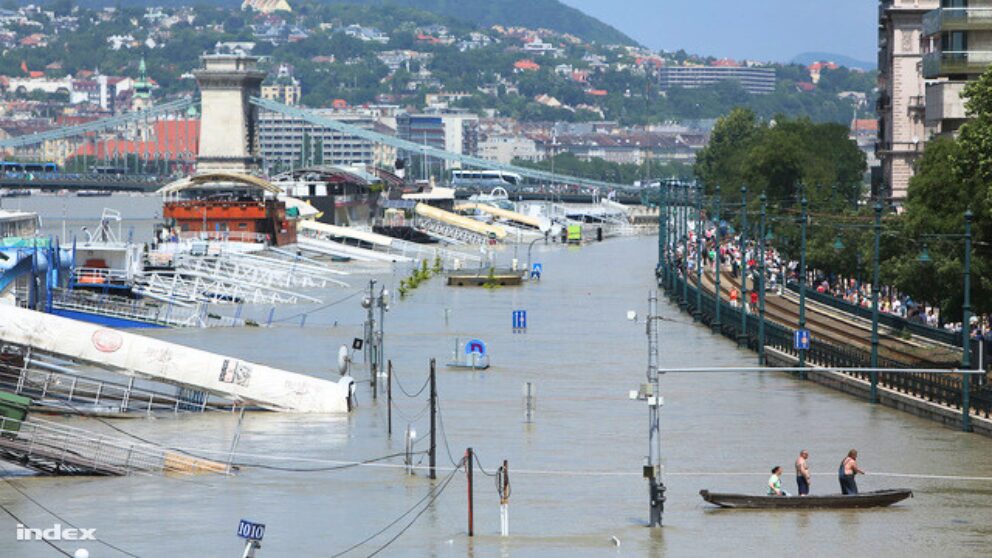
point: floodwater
(574, 468)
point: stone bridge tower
(229, 123)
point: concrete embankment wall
(886, 396)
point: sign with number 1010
(251, 531)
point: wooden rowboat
(876, 499)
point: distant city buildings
(266, 6)
(282, 87)
(901, 103)
(754, 80)
(288, 142)
(457, 132)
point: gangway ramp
(382, 243)
(458, 227)
(53, 448)
(135, 355)
(507, 215)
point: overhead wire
(437, 495)
(319, 308)
(434, 491)
(444, 435)
(405, 392)
(25, 525)
(11, 484)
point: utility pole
(468, 472)
(433, 447)
(374, 333)
(802, 281)
(389, 399)
(650, 392)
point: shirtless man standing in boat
(848, 468)
(802, 473)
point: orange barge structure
(228, 206)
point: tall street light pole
(761, 285)
(742, 338)
(876, 256)
(700, 245)
(685, 246)
(802, 282)
(966, 327)
(716, 291)
(662, 271)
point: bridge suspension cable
(422, 149)
(96, 125)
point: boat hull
(876, 499)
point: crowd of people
(779, 271)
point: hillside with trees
(549, 14)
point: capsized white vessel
(136, 355)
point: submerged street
(574, 468)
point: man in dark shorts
(848, 469)
(802, 473)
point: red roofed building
(526, 65)
(597, 92)
(816, 68)
(805, 86)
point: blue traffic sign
(475, 346)
(519, 319)
(251, 531)
(801, 339)
(536, 270)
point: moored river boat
(876, 499)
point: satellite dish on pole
(344, 360)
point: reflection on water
(583, 356)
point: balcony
(958, 62)
(943, 101)
(956, 19)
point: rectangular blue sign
(519, 319)
(801, 339)
(251, 531)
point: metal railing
(941, 63)
(169, 315)
(895, 322)
(43, 381)
(942, 389)
(57, 449)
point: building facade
(289, 143)
(754, 80)
(957, 42)
(902, 129)
(453, 132)
(283, 87)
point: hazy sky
(763, 29)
